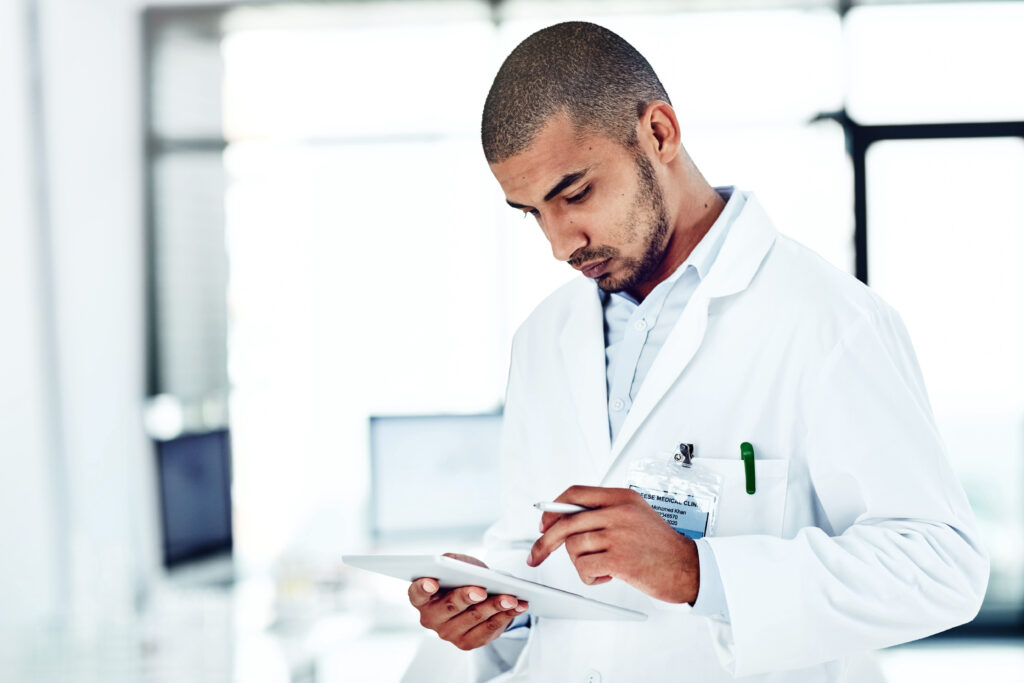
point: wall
(77, 504)
(29, 579)
(91, 65)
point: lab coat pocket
(742, 513)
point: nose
(566, 236)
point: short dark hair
(583, 69)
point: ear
(659, 130)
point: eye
(531, 212)
(577, 198)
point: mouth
(596, 270)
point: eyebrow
(567, 180)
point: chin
(611, 284)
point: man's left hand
(622, 537)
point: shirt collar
(703, 255)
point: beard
(648, 221)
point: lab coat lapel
(582, 346)
(679, 348)
(748, 241)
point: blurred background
(258, 288)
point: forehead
(558, 149)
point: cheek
(618, 223)
(627, 230)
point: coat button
(592, 676)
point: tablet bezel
(545, 601)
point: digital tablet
(545, 601)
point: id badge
(680, 489)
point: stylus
(560, 508)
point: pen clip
(747, 453)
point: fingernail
(520, 608)
(476, 596)
(506, 603)
(540, 526)
(429, 586)
(529, 560)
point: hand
(464, 616)
(622, 538)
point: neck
(697, 212)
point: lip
(597, 269)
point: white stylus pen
(560, 508)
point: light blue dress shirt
(634, 334)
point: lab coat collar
(745, 247)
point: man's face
(599, 204)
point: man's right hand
(465, 616)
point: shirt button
(640, 325)
(592, 676)
(618, 404)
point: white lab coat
(859, 535)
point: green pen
(747, 453)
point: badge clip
(684, 454)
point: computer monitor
(194, 475)
(433, 476)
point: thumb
(466, 558)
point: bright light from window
(936, 63)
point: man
(708, 327)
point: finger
(594, 496)
(487, 631)
(586, 543)
(472, 616)
(594, 568)
(562, 529)
(587, 496)
(593, 520)
(422, 590)
(547, 519)
(449, 605)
